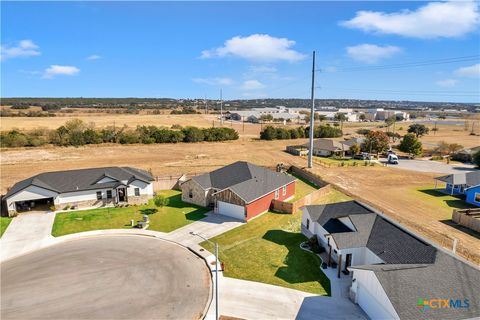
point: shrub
(161, 201)
(315, 246)
(193, 134)
(476, 158)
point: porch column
(339, 265)
(329, 255)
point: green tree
(411, 145)
(476, 158)
(375, 141)
(269, 133)
(418, 129)
(362, 117)
(193, 134)
(354, 149)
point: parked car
(392, 159)
(362, 156)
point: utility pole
(312, 116)
(206, 105)
(221, 108)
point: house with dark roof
(464, 183)
(241, 190)
(394, 273)
(326, 147)
(83, 188)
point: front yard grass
(338, 162)
(267, 249)
(173, 216)
(4, 222)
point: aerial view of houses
(238, 160)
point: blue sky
(250, 49)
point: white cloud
(263, 69)
(371, 53)
(93, 57)
(433, 20)
(55, 70)
(24, 48)
(259, 47)
(447, 83)
(252, 85)
(470, 71)
(214, 81)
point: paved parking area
(106, 277)
(430, 166)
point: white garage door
(231, 210)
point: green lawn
(266, 249)
(4, 222)
(444, 203)
(345, 161)
(302, 188)
(168, 218)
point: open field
(387, 188)
(267, 249)
(409, 198)
(167, 218)
(447, 131)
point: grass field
(267, 250)
(173, 216)
(445, 203)
(336, 162)
(406, 196)
(4, 222)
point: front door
(122, 195)
(348, 263)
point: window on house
(276, 194)
(284, 190)
(137, 192)
(477, 197)
(109, 194)
(190, 193)
(99, 195)
(308, 224)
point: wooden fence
(469, 218)
(172, 181)
(292, 207)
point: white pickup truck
(392, 158)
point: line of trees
(77, 133)
(272, 133)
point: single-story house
(241, 190)
(328, 147)
(394, 273)
(458, 183)
(85, 188)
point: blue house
(466, 183)
(472, 195)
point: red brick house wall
(261, 205)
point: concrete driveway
(27, 232)
(430, 166)
(106, 277)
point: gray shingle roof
(468, 178)
(413, 267)
(446, 278)
(81, 179)
(327, 144)
(247, 180)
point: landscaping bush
(315, 246)
(161, 201)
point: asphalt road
(106, 277)
(430, 166)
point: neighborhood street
(430, 166)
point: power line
(403, 65)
